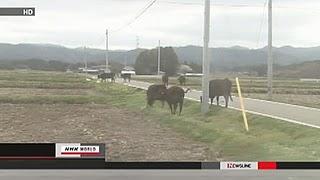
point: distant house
(101, 68)
(95, 69)
(88, 70)
(194, 74)
(184, 69)
(128, 70)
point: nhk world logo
(239, 165)
(77, 150)
(80, 150)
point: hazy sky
(75, 23)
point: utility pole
(85, 61)
(205, 60)
(159, 56)
(270, 54)
(107, 51)
(138, 42)
(126, 59)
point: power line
(201, 4)
(240, 5)
(140, 13)
(180, 3)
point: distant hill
(227, 58)
(59, 53)
(221, 58)
(302, 70)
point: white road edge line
(273, 102)
(267, 115)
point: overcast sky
(75, 23)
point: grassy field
(221, 129)
(291, 91)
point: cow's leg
(211, 100)
(170, 105)
(175, 108)
(217, 100)
(180, 105)
(226, 97)
(201, 99)
(150, 102)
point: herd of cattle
(174, 95)
(112, 76)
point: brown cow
(220, 87)
(126, 77)
(156, 92)
(175, 96)
(165, 80)
(182, 80)
(105, 76)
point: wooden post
(242, 105)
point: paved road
(157, 175)
(287, 112)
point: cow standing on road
(105, 76)
(165, 80)
(182, 80)
(126, 77)
(220, 87)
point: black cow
(174, 97)
(126, 77)
(220, 87)
(105, 76)
(165, 79)
(156, 92)
(182, 80)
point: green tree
(147, 61)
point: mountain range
(224, 58)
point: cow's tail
(230, 97)
(186, 91)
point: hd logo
(28, 11)
(239, 165)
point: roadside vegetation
(221, 129)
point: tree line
(146, 63)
